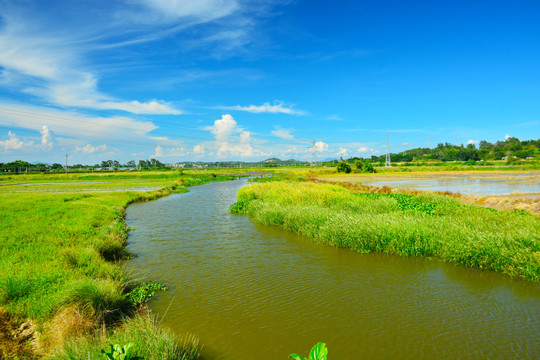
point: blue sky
(204, 80)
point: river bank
(424, 224)
(63, 293)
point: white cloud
(278, 107)
(471, 141)
(14, 143)
(198, 149)
(223, 128)
(319, 147)
(506, 137)
(90, 149)
(158, 152)
(231, 140)
(342, 152)
(284, 134)
(46, 138)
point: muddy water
(476, 184)
(255, 292)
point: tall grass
(409, 225)
(58, 263)
(151, 342)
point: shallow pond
(525, 184)
(255, 292)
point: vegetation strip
(60, 282)
(411, 225)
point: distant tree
(131, 164)
(342, 166)
(358, 165)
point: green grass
(58, 250)
(408, 225)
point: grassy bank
(409, 225)
(62, 292)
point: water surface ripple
(250, 291)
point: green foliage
(342, 166)
(318, 352)
(118, 352)
(407, 202)
(239, 207)
(363, 167)
(143, 292)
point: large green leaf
(318, 352)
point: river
(255, 292)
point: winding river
(254, 292)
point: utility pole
(388, 163)
(66, 164)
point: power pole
(66, 164)
(388, 163)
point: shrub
(342, 166)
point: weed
(318, 352)
(143, 292)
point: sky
(207, 80)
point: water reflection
(251, 291)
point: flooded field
(251, 291)
(523, 184)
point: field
(63, 291)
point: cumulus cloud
(284, 134)
(198, 149)
(506, 137)
(266, 108)
(46, 138)
(14, 143)
(90, 149)
(342, 152)
(471, 141)
(223, 128)
(319, 147)
(158, 152)
(230, 139)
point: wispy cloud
(284, 134)
(90, 149)
(73, 124)
(172, 11)
(276, 108)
